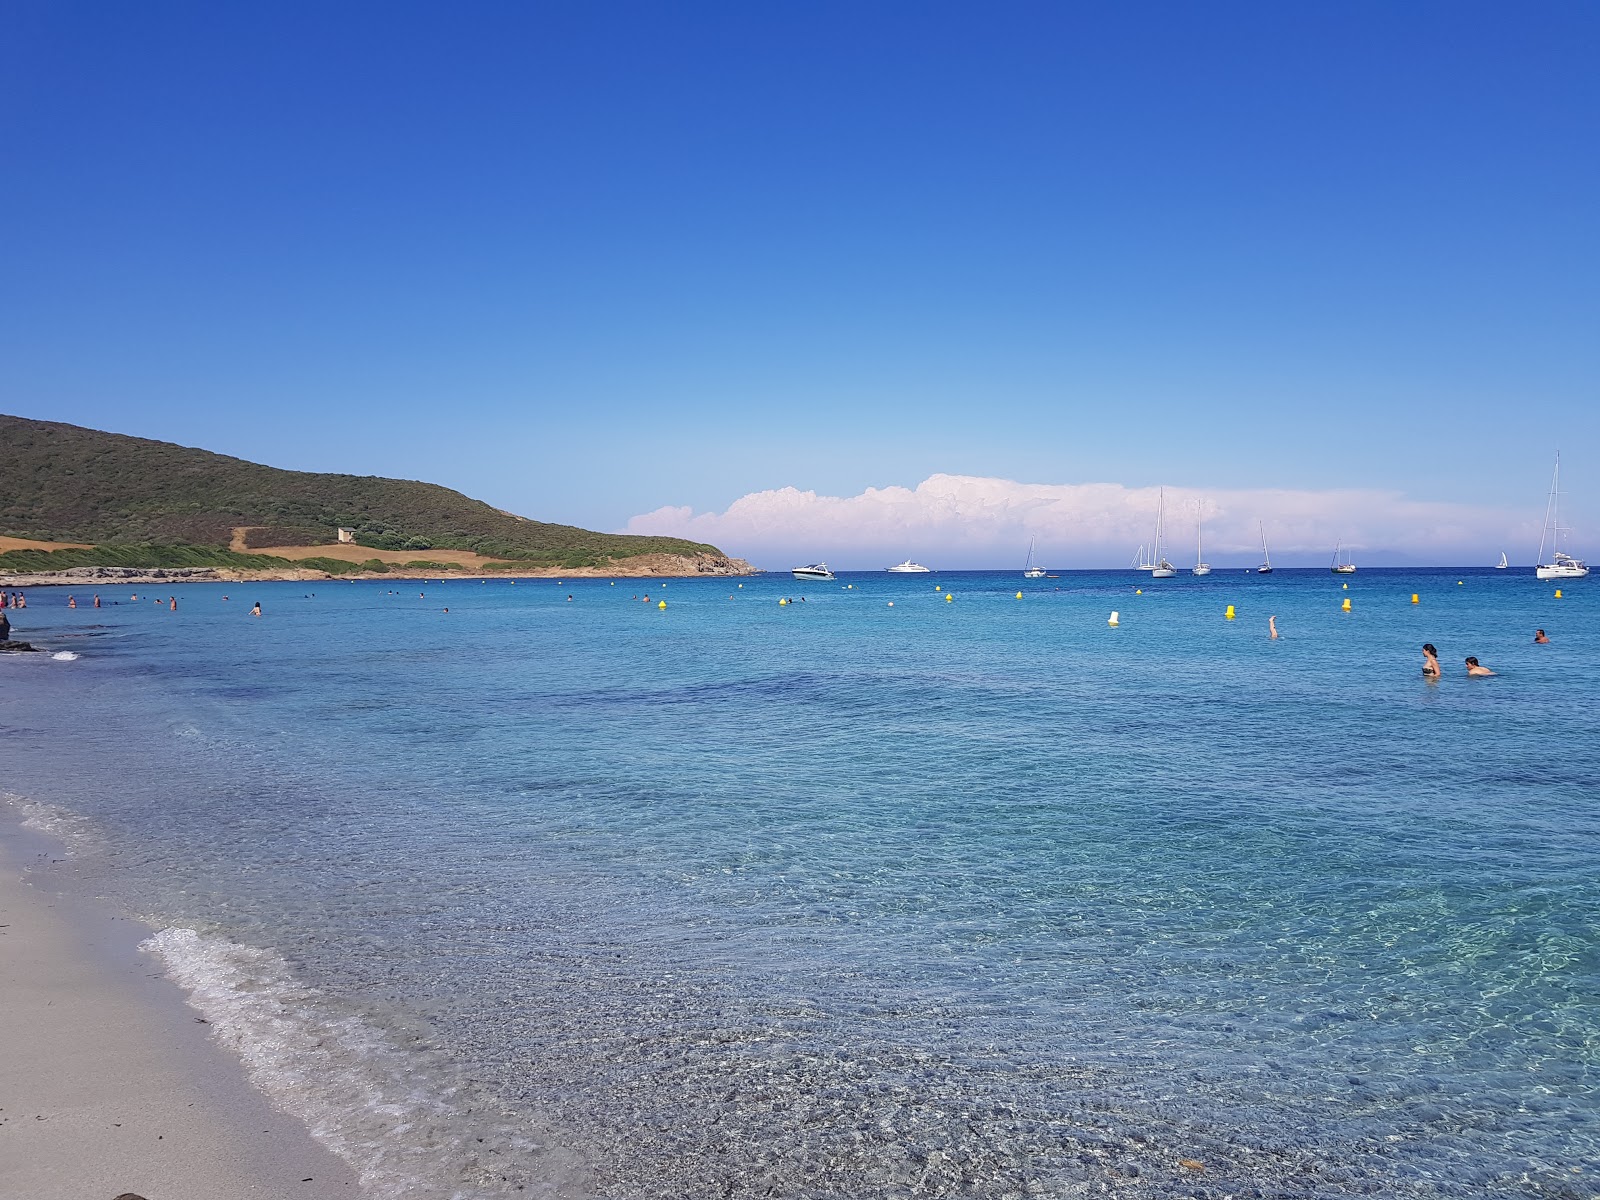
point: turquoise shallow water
(839, 899)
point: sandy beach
(109, 1082)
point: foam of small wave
(357, 1093)
(64, 656)
(76, 834)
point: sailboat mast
(1552, 510)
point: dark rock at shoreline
(17, 648)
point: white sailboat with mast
(1266, 559)
(1162, 568)
(1502, 564)
(1561, 565)
(1201, 567)
(1029, 569)
(1341, 566)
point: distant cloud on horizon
(966, 521)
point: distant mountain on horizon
(66, 483)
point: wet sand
(108, 1082)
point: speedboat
(908, 568)
(817, 571)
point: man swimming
(1474, 668)
(1539, 638)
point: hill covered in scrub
(64, 483)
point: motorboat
(909, 568)
(816, 571)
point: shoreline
(109, 1081)
(107, 576)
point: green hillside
(65, 483)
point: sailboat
(1341, 568)
(1029, 570)
(1201, 567)
(1502, 564)
(1162, 568)
(1561, 565)
(1266, 559)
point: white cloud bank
(965, 521)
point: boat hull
(1561, 572)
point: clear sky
(590, 260)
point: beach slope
(109, 1083)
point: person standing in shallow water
(256, 611)
(174, 601)
(1430, 661)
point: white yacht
(817, 571)
(1341, 566)
(1561, 565)
(909, 568)
(1029, 569)
(1162, 569)
(1201, 567)
(1266, 559)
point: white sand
(109, 1084)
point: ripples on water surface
(977, 898)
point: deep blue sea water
(977, 897)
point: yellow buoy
(948, 597)
(781, 603)
(1138, 591)
(1458, 583)
(1229, 613)
(1113, 620)
(1347, 604)
(1019, 595)
(1346, 586)
(1558, 593)
(1414, 599)
(741, 585)
(663, 604)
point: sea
(911, 886)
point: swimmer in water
(1474, 668)
(256, 611)
(72, 602)
(1539, 638)
(1272, 628)
(97, 599)
(174, 601)
(1430, 660)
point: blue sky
(586, 261)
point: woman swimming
(1430, 660)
